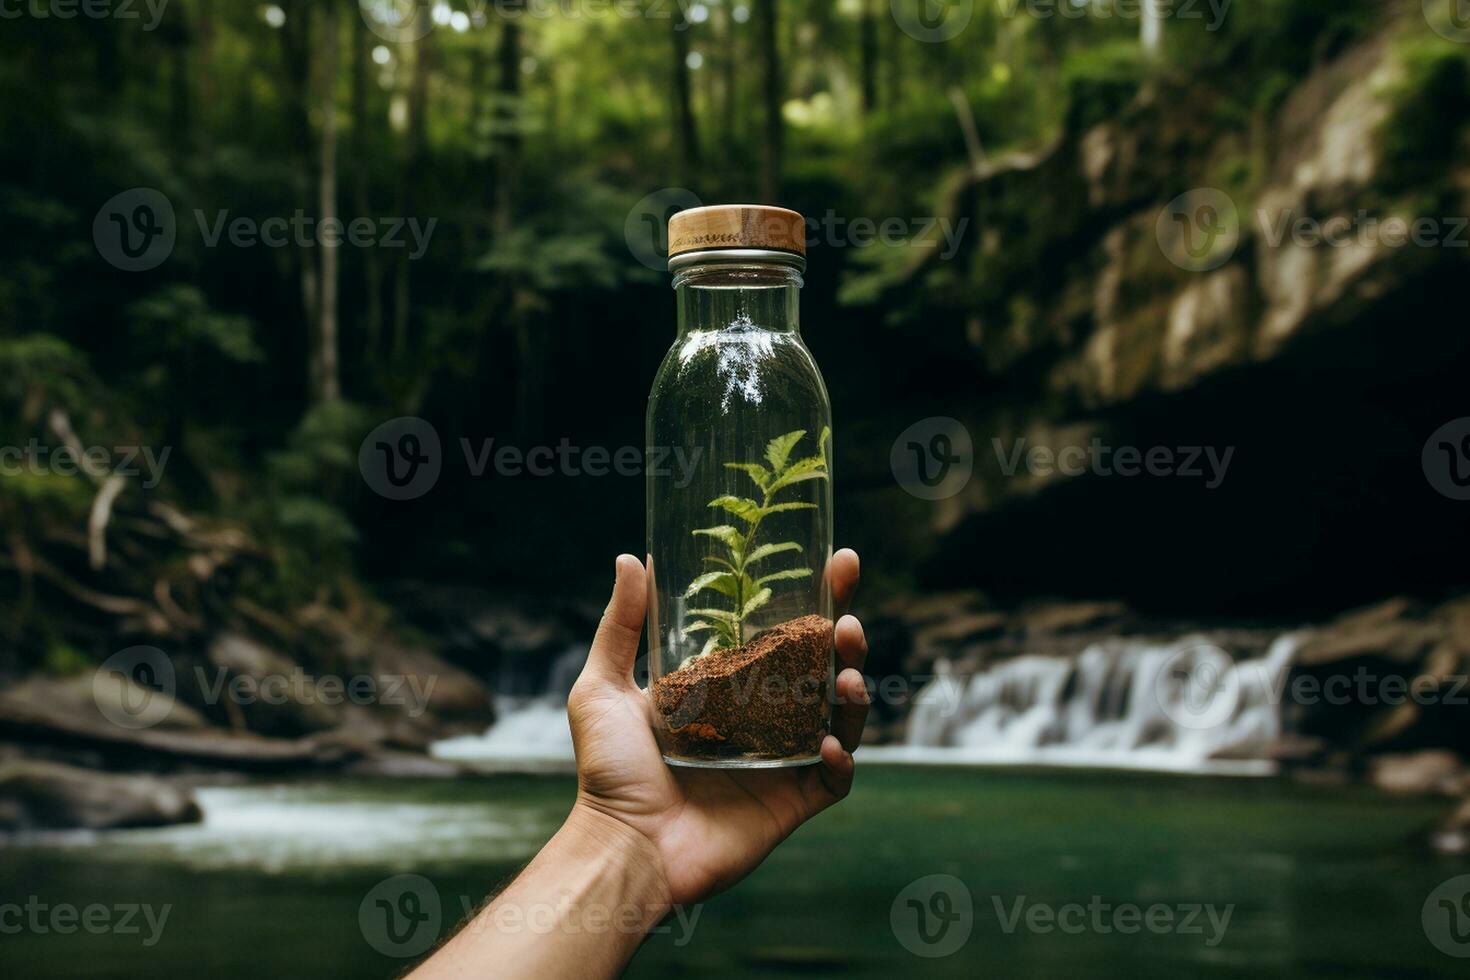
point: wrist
(592, 835)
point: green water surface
(1318, 882)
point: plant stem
(740, 596)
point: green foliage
(737, 577)
(1430, 108)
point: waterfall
(530, 728)
(1184, 705)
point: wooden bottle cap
(732, 226)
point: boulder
(49, 796)
(1430, 771)
(1451, 836)
(1390, 630)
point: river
(1061, 871)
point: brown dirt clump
(767, 698)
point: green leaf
(698, 626)
(723, 582)
(822, 441)
(755, 471)
(727, 535)
(790, 573)
(742, 507)
(718, 615)
(766, 550)
(714, 642)
(779, 508)
(810, 468)
(755, 602)
(778, 450)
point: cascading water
(530, 728)
(1185, 705)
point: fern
(743, 576)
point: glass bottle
(740, 512)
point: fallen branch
(98, 519)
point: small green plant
(736, 576)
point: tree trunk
(686, 133)
(868, 57)
(771, 98)
(418, 99)
(372, 275)
(507, 136)
(1150, 27)
(296, 48)
(329, 384)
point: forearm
(580, 908)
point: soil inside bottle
(766, 699)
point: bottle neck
(738, 297)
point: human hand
(708, 827)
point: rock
(280, 697)
(956, 630)
(33, 721)
(403, 765)
(1385, 630)
(1430, 771)
(1068, 617)
(1451, 836)
(48, 796)
(426, 683)
(95, 698)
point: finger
(615, 646)
(850, 713)
(843, 572)
(833, 775)
(852, 644)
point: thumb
(615, 646)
